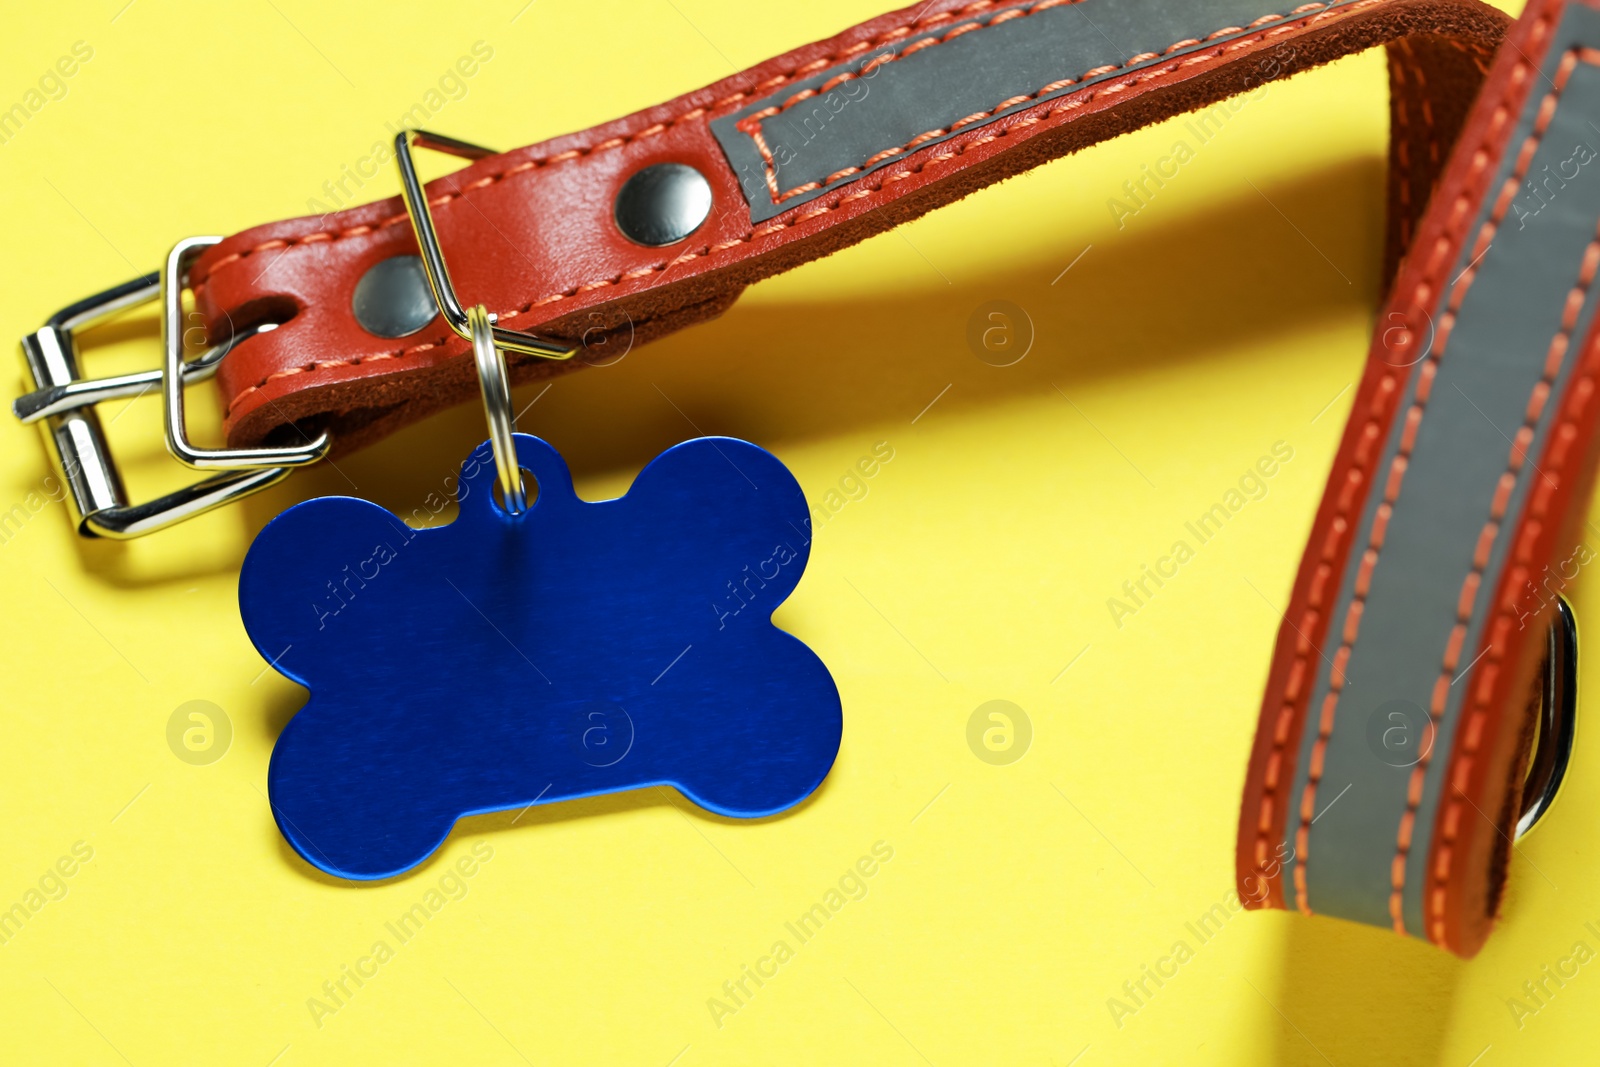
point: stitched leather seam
(826, 208)
(1516, 463)
(1445, 254)
(1402, 138)
(324, 236)
(1273, 766)
(778, 226)
(751, 124)
(776, 81)
(714, 251)
(1405, 73)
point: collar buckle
(64, 403)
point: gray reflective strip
(969, 74)
(1486, 372)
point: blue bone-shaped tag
(502, 661)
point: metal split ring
(496, 386)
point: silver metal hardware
(64, 403)
(496, 386)
(1557, 720)
(42, 403)
(444, 293)
(172, 279)
(393, 299)
(662, 204)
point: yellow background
(1230, 313)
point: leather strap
(914, 111)
(1460, 485)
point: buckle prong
(57, 399)
(64, 403)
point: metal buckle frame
(64, 402)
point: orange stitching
(1309, 619)
(760, 89)
(1402, 139)
(1414, 69)
(330, 364)
(1474, 52)
(1444, 254)
(1555, 358)
(896, 176)
(750, 125)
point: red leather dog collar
(532, 235)
(1463, 475)
(1463, 472)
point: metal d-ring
(1557, 719)
(433, 265)
(496, 385)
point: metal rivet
(392, 299)
(663, 204)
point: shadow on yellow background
(780, 374)
(1367, 996)
(608, 918)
